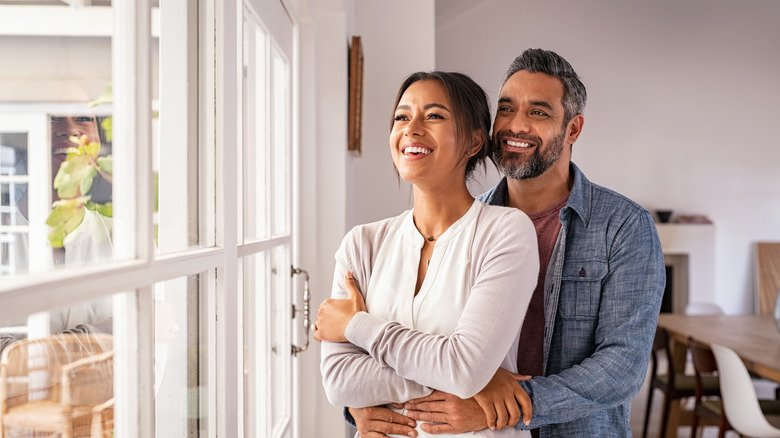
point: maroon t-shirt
(530, 355)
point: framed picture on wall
(355, 94)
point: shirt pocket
(581, 288)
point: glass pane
(57, 362)
(174, 137)
(255, 279)
(14, 231)
(268, 342)
(255, 171)
(281, 146)
(281, 341)
(55, 135)
(179, 344)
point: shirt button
(582, 272)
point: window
(179, 218)
(139, 228)
(265, 213)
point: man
(590, 326)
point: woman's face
(63, 127)
(423, 140)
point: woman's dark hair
(470, 109)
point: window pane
(178, 346)
(281, 146)
(58, 361)
(279, 294)
(175, 156)
(14, 232)
(55, 135)
(255, 169)
(268, 342)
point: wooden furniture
(51, 385)
(103, 420)
(674, 384)
(767, 255)
(754, 338)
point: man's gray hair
(549, 62)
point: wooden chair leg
(722, 427)
(665, 416)
(647, 411)
(694, 424)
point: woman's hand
(499, 400)
(335, 314)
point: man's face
(528, 132)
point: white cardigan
(479, 282)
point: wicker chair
(53, 385)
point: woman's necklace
(430, 238)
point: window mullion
(228, 125)
(133, 237)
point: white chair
(739, 397)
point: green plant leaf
(107, 96)
(74, 177)
(156, 191)
(92, 149)
(106, 209)
(108, 127)
(106, 164)
(65, 217)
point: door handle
(306, 309)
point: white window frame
(137, 269)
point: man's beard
(509, 163)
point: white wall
(321, 96)
(398, 38)
(682, 105)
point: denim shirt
(602, 296)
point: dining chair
(708, 409)
(673, 384)
(740, 402)
(51, 385)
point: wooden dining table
(754, 338)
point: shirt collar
(579, 198)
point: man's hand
(454, 414)
(377, 422)
(494, 407)
(499, 400)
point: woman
(447, 284)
